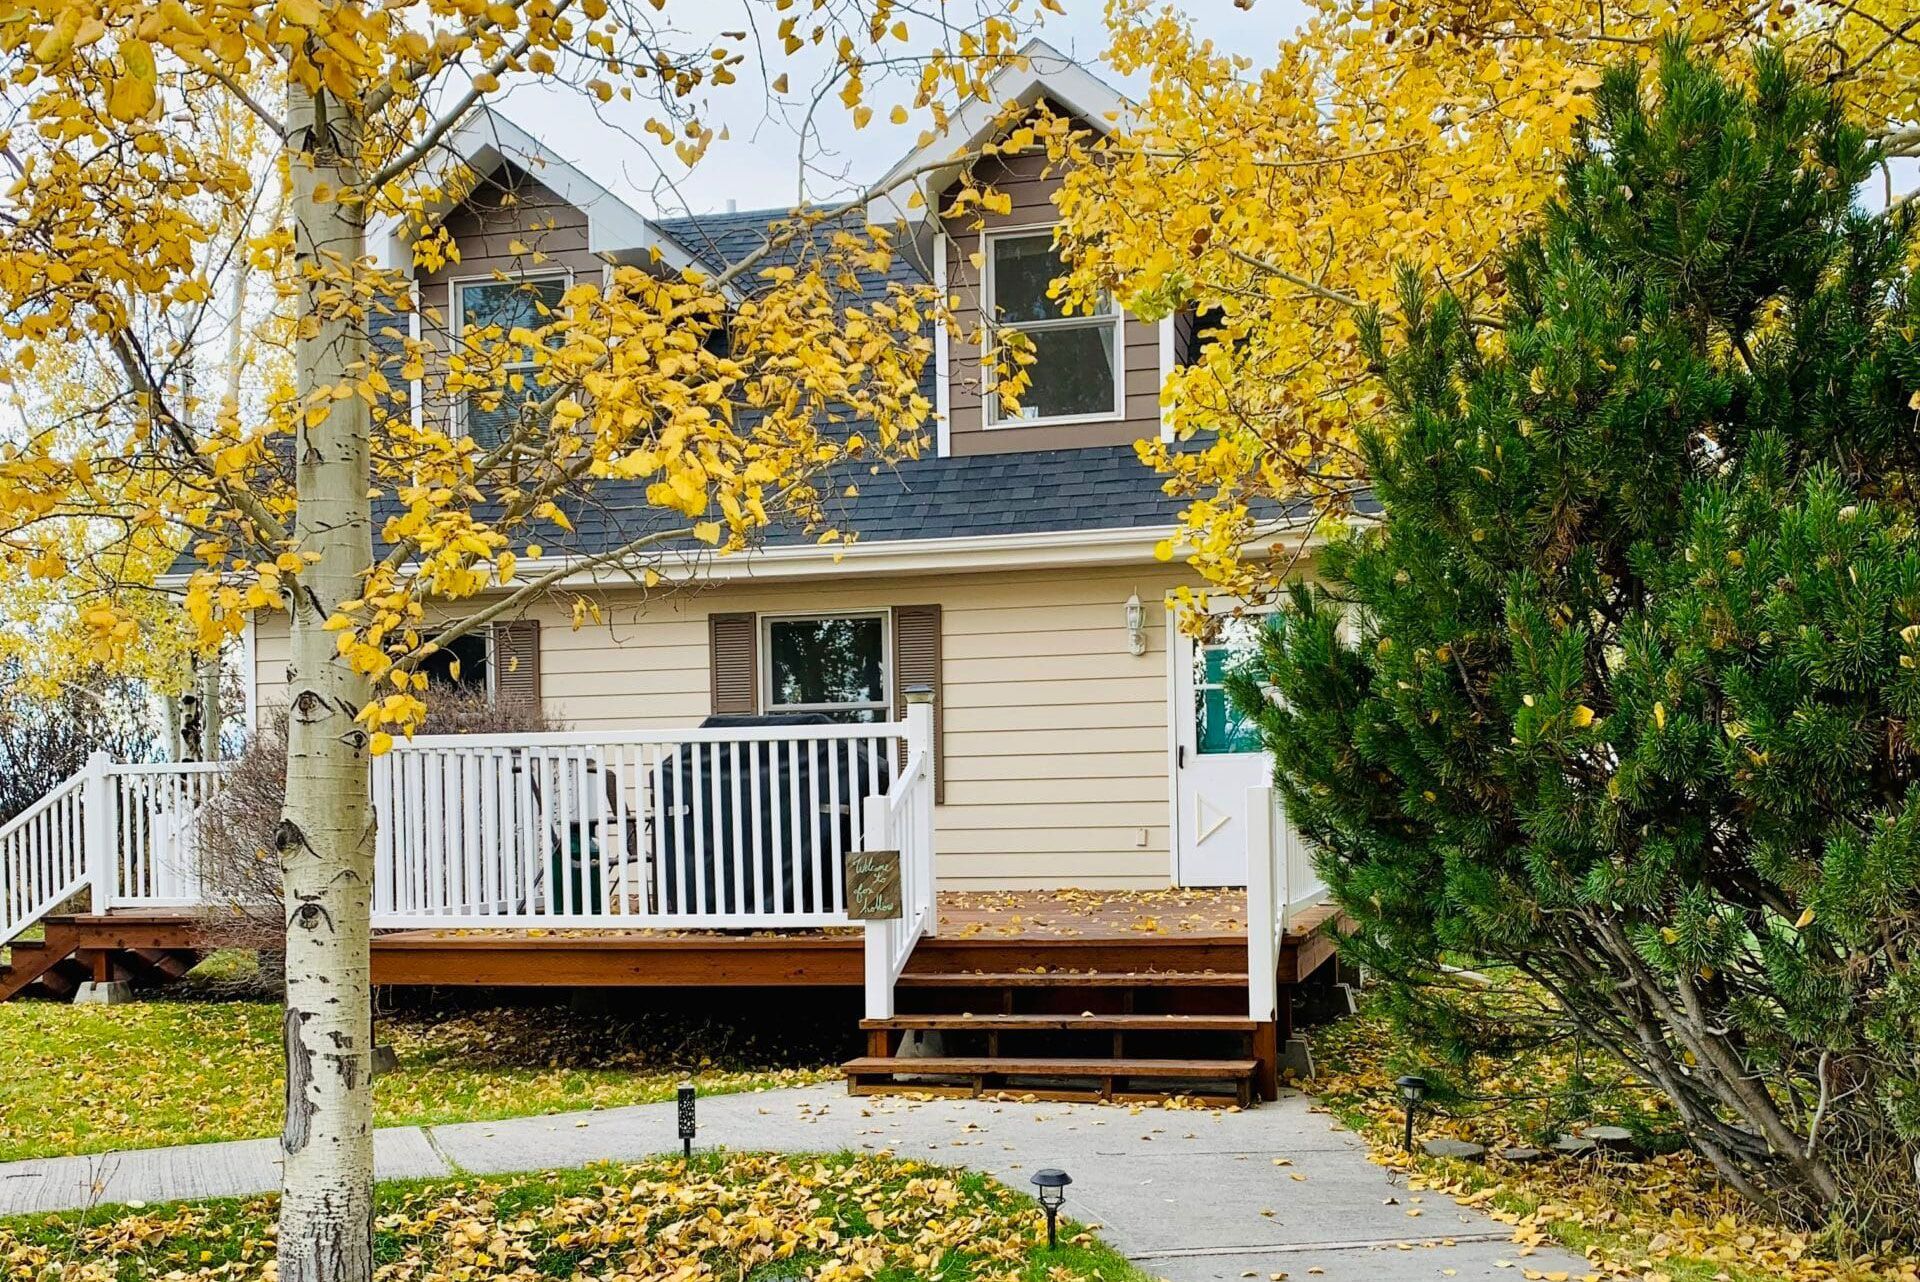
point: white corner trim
(416, 390)
(942, 356)
(1167, 356)
(250, 678)
(1175, 644)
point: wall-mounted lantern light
(1136, 625)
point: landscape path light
(1413, 1089)
(1052, 1186)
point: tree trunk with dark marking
(326, 836)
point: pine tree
(1620, 690)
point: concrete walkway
(1191, 1196)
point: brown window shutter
(733, 658)
(516, 661)
(916, 661)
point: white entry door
(1217, 757)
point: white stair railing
(903, 820)
(43, 859)
(1281, 881)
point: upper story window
(833, 664)
(487, 310)
(1076, 372)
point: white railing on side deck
(1280, 882)
(126, 834)
(724, 828)
(903, 820)
(153, 832)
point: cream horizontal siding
(1056, 734)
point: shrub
(1621, 690)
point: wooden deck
(1071, 993)
(1059, 932)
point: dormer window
(486, 310)
(1076, 373)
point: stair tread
(1072, 978)
(1092, 1021)
(1049, 1066)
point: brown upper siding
(510, 207)
(1031, 192)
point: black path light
(1413, 1089)
(1052, 1185)
(685, 1097)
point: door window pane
(830, 665)
(1218, 727)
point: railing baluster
(830, 901)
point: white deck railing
(696, 829)
(42, 857)
(727, 828)
(1280, 882)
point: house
(1000, 627)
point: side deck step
(1087, 1022)
(1073, 979)
(1062, 1078)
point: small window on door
(1218, 726)
(830, 664)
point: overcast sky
(757, 166)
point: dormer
(1096, 378)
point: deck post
(96, 809)
(1263, 964)
(920, 740)
(879, 932)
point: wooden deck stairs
(1135, 1018)
(145, 950)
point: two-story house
(1081, 741)
(974, 732)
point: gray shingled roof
(1100, 487)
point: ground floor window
(830, 664)
(459, 662)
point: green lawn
(733, 1218)
(83, 1079)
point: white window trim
(765, 662)
(1116, 318)
(457, 316)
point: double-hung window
(1076, 372)
(830, 664)
(486, 312)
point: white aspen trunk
(325, 837)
